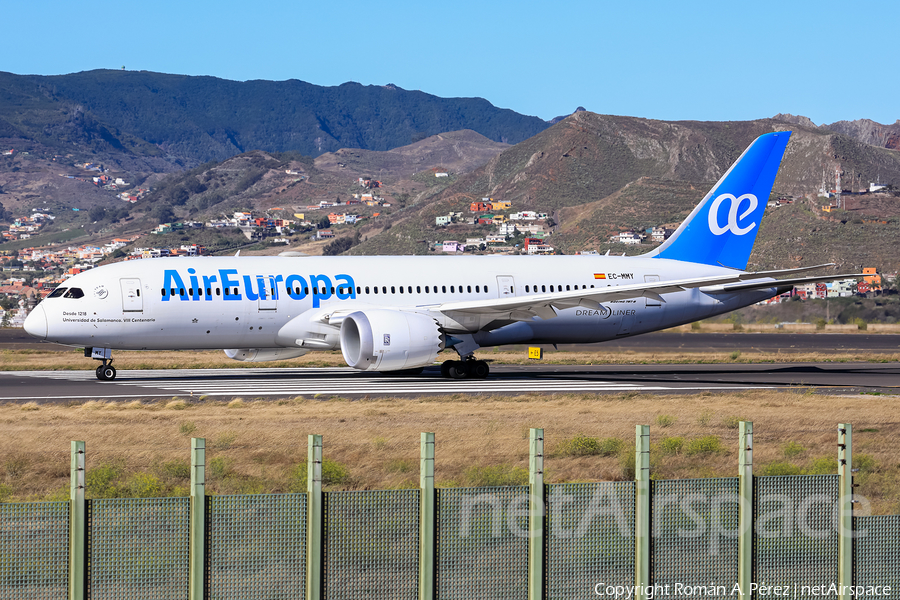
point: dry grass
(256, 447)
(42, 360)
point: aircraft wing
(544, 305)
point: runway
(269, 383)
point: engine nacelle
(389, 340)
(264, 354)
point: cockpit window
(74, 293)
(57, 292)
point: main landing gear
(465, 369)
(105, 372)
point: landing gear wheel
(106, 372)
(445, 367)
(478, 369)
(458, 370)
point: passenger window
(485, 290)
(367, 289)
(567, 289)
(544, 288)
(444, 289)
(426, 289)
(477, 290)
(182, 292)
(451, 290)
(418, 289)
(58, 292)
(469, 289)
(551, 288)
(526, 289)
(401, 289)
(359, 290)
(409, 289)
(376, 289)
(218, 292)
(74, 293)
(138, 292)
(162, 292)
(393, 291)
(384, 289)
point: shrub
(187, 428)
(822, 466)
(174, 469)
(671, 445)
(732, 422)
(496, 476)
(101, 481)
(333, 473)
(219, 468)
(865, 463)
(143, 485)
(792, 450)
(224, 441)
(781, 468)
(665, 420)
(581, 445)
(709, 444)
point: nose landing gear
(105, 372)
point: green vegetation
(495, 475)
(581, 445)
(203, 118)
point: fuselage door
(132, 301)
(268, 295)
(507, 286)
(651, 301)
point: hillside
(598, 175)
(198, 119)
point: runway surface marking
(331, 381)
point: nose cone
(36, 322)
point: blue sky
(709, 61)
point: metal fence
(34, 551)
(585, 541)
(590, 537)
(695, 533)
(257, 547)
(482, 543)
(371, 544)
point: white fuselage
(243, 302)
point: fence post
(314, 518)
(77, 524)
(642, 511)
(845, 494)
(536, 515)
(198, 519)
(745, 508)
(426, 517)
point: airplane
(396, 314)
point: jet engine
(389, 340)
(264, 354)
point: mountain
(600, 174)
(869, 132)
(862, 130)
(198, 119)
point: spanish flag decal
(599, 275)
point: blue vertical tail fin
(721, 229)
